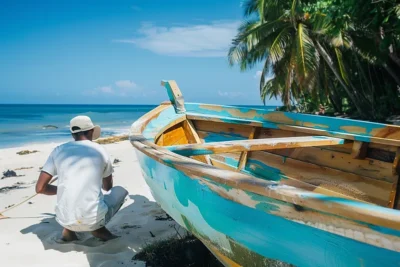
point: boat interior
(304, 157)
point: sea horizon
(24, 124)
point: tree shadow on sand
(137, 224)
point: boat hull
(249, 232)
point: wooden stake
(244, 154)
(175, 96)
(359, 150)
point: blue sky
(117, 52)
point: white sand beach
(31, 236)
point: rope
(2, 217)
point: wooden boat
(253, 184)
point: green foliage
(327, 52)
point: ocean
(25, 124)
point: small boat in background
(254, 184)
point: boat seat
(311, 177)
(254, 145)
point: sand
(31, 236)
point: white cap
(84, 123)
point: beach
(31, 236)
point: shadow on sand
(137, 224)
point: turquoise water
(23, 124)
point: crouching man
(83, 168)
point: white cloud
(202, 40)
(127, 84)
(230, 94)
(106, 89)
(122, 88)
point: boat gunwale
(345, 208)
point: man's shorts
(114, 200)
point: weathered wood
(342, 216)
(240, 131)
(380, 137)
(341, 161)
(244, 154)
(194, 138)
(348, 209)
(220, 162)
(254, 145)
(175, 135)
(392, 197)
(140, 124)
(208, 137)
(213, 118)
(359, 150)
(269, 165)
(395, 167)
(395, 195)
(175, 95)
(366, 131)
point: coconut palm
(303, 50)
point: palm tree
(303, 50)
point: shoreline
(103, 140)
(32, 228)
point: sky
(117, 52)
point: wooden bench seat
(254, 145)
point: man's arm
(43, 186)
(107, 183)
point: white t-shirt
(81, 167)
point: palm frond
(279, 45)
(340, 62)
(306, 56)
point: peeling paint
(222, 220)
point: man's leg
(114, 200)
(103, 234)
(68, 235)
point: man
(83, 168)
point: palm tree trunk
(392, 73)
(349, 92)
(393, 56)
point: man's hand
(108, 183)
(43, 186)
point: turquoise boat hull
(251, 236)
(309, 205)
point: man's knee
(119, 191)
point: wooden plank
(175, 95)
(378, 140)
(351, 210)
(244, 154)
(274, 133)
(395, 167)
(202, 117)
(208, 137)
(254, 145)
(395, 195)
(175, 136)
(223, 128)
(194, 138)
(387, 136)
(359, 150)
(341, 161)
(219, 161)
(376, 131)
(363, 188)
